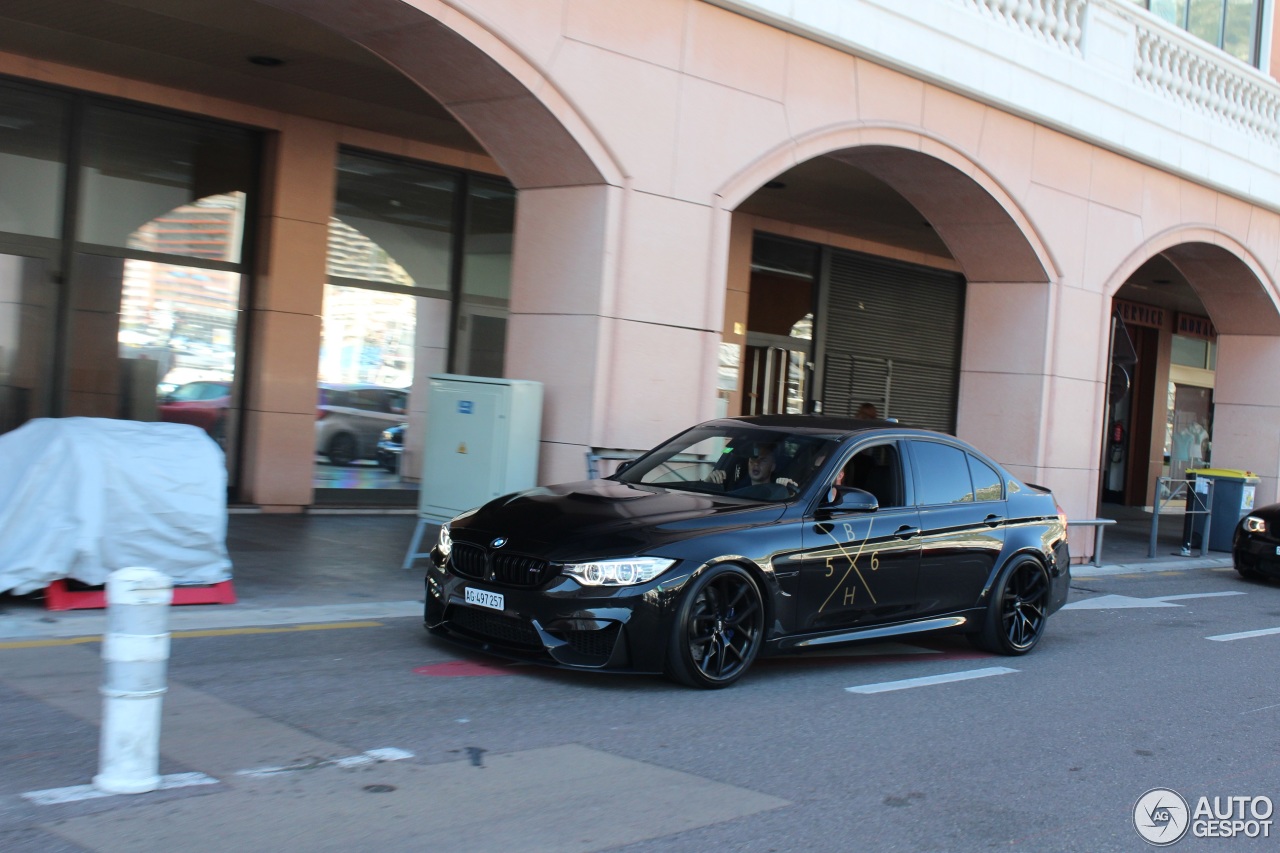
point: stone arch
(525, 123)
(1242, 301)
(1234, 286)
(969, 209)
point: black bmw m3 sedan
(745, 537)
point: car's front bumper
(560, 624)
(1256, 554)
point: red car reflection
(203, 404)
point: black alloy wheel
(1018, 610)
(342, 449)
(718, 628)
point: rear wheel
(718, 629)
(1018, 610)
(342, 449)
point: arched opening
(897, 256)
(1173, 404)
(419, 80)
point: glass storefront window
(152, 182)
(367, 336)
(32, 171)
(419, 281)
(399, 210)
(486, 278)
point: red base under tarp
(58, 597)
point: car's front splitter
(625, 630)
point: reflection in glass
(1239, 34)
(1205, 20)
(177, 345)
(27, 310)
(32, 126)
(152, 179)
(367, 336)
(398, 210)
(486, 278)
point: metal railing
(1185, 489)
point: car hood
(605, 518)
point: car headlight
(618, 572)
(1253, 524)
(444, 542)
(386, 435)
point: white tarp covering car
(83, 497)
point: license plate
(484, 598)
(1278, 550)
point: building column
(617, 299)
(1032, 380)
(1246, 409)
(284, 317)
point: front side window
(737, 461)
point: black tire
(718, 628)
(342, 449)
(1018, 610)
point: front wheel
(718, 628)
(1018, 610)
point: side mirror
(624, 465)
(850, 499)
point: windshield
(732, 459)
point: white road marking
(1118, 602)
(76, 793)
(1244, 635)
(371, 756)
(908, 683)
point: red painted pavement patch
(462, 668)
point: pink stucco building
(1050, 226)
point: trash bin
(1233, 492)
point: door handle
(906, 532)
(993, 520)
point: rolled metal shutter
(892, 338)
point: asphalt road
(1127, 692)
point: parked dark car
(390, 447)
(1255, 546)
(755, 536)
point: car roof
(826, 424)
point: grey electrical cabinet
(482, 442)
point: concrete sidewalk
(286, 569)
(345, 566)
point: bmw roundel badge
(499, 542)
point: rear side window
(942, 474)
(986, 482)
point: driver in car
(761, 465)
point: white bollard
(135, 651)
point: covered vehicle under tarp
(82, 497)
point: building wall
(1045, 161)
